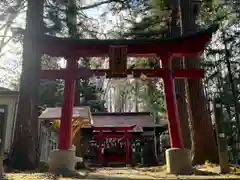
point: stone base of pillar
(62, 162)
(178, 161)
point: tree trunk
(73, 33)
(204, 145)
(25, 151)
(180, 83)
(232, 83)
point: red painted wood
(105, 128)
(172, 111)
(65, 135)
(117, 59)
(79, 73)
(104, 135)
(126, 136)
(188, 73)
(65, 47)
(177, 73)
(100, 147)
(84, 73)
(118, 158)
(127, 147)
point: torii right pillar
(178, 159)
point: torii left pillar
(63, 160)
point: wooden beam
(184, 45)
(84, 73)
(80, 73)
(113, 135)
(188, 73)
(118, 60)
(106, 128)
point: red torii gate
(118, 50)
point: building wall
(11, 102)
(48, 138)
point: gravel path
(115, 174)
(118, 174)
(130, 174)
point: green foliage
(222, 67)
(149, 27)
(153, 24)
(217, 14)
(90, 96)
(50, 93)
(56, 21)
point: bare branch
(95, 5)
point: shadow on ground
(104, 177)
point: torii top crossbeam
(181, 46)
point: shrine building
(113, 138)
(122, 138)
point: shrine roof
(54, 113)
(126, 119)
(183, 45)
(5, 91)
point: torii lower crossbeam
(82, 73)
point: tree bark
(73, 33)
(204, 145)
(25, 151)
(177, 63)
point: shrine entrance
(114, 148)
(113, 144)
(118, 51)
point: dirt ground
(123, 173)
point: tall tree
(204, 144)
(175, 31)
(71, 20)
(25, 152)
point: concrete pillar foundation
(178, 161)
(62, 162)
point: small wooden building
(50, 123)
(48, 140)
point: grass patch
(207, 169)
(152, 169)
(235, 169)
(34, 176)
